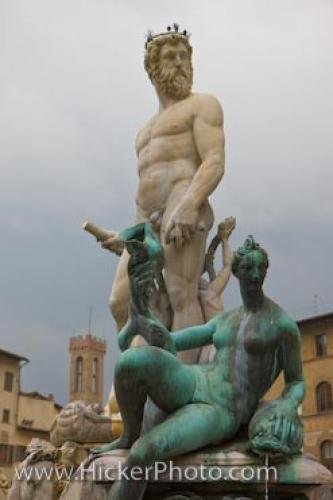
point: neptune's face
(176, 59)
(173, 75)
(252, 270)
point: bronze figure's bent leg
(149, 371)
(187, 429)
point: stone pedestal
(213, 473)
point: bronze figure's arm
(291, 362)
(195, 336)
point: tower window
(78, 374)
(326, 452)
(94, 375)
(324, 397)
(9, 380)
(321, 345)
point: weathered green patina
(205, 404)
(146, 255)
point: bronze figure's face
(251, 270)
(169, 66)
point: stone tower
(86, 368)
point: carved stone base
(211, 474)
(229, 472)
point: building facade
(23, 415)
(317, 408)
(86, 380)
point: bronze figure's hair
(249, 246)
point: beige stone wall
(318, 427)
(9, 400)
(38, 411)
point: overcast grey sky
(73, 93)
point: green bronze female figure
(206, 404)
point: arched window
(326, 452)
(94, 375)
(78, 374)
(324, 397)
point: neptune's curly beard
(176, 83)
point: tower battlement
(87, 342)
